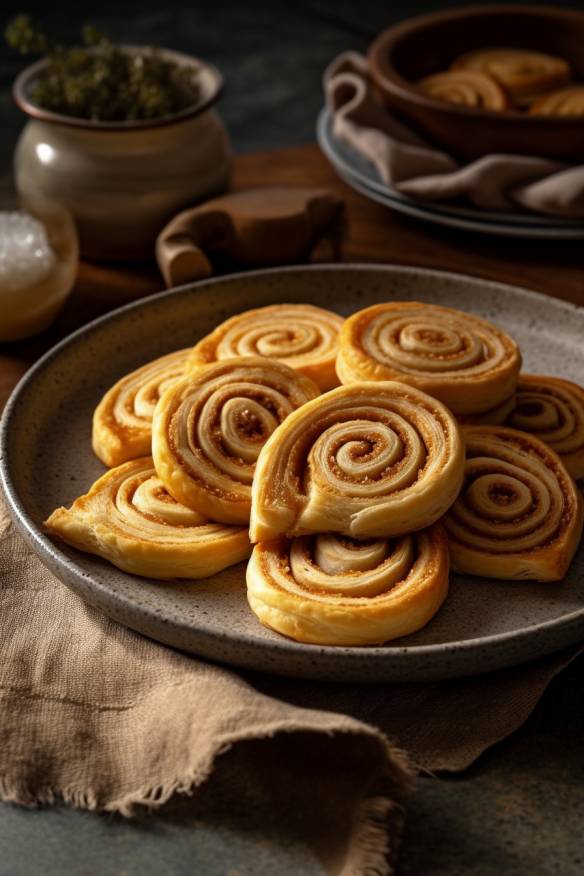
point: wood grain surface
(374, 234)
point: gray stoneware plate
(361, 175)
(46, 461)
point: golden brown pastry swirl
(466, 362)
(122, 422)
(329, 590)
(300, 335)
(210, 426)
(519, 514)
(129, 518)
(493, 417)
(552, 409)
(566, 102)
(523, 73)
(465, 88)
(365, 460)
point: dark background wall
(272, 54)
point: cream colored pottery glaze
(123, 181)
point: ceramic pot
(123, 181)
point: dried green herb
(101, 81)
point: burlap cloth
(102, 718)
(416, 168)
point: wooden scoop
(260, 227)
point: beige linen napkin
(98, 716)
(415, 168)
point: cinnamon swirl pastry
(466, 362)
(493, 417)
(129, 518)
(367, 460)
(566, 102)
(328, 590)
(552, 409)
(519, 514)
(465, 88)
(524, 74)
(210, 426)
(122, 422)
(300, 335)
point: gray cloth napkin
(415, 168)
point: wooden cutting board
(375, 234)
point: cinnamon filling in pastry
(518, 514)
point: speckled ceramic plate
(46, 460)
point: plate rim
(51, 554)
(435, 211)
(474, 225)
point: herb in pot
(101, 81)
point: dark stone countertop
(519, 809)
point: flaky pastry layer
(129, 518)
(328, 590)
(519, 513)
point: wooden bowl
(427, 44)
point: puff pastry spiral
(465, 88)
(300, 335)
(552, 409)
(523, 73)
(519, 514)
(365, 460)
(129, 518)
(493, 417)
(328, 590)
(466, 362)
(210, 426)
(122, 422)
(566, 102)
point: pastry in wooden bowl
(566, 102)
(519, 514)
(423, 45)
(367, 460)
(300, 335)
(329, 590)
(552, 409)
(129, 518)
(210, 426)
(466, 362)
(122, 422)
(466, 88)
(523, 73)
